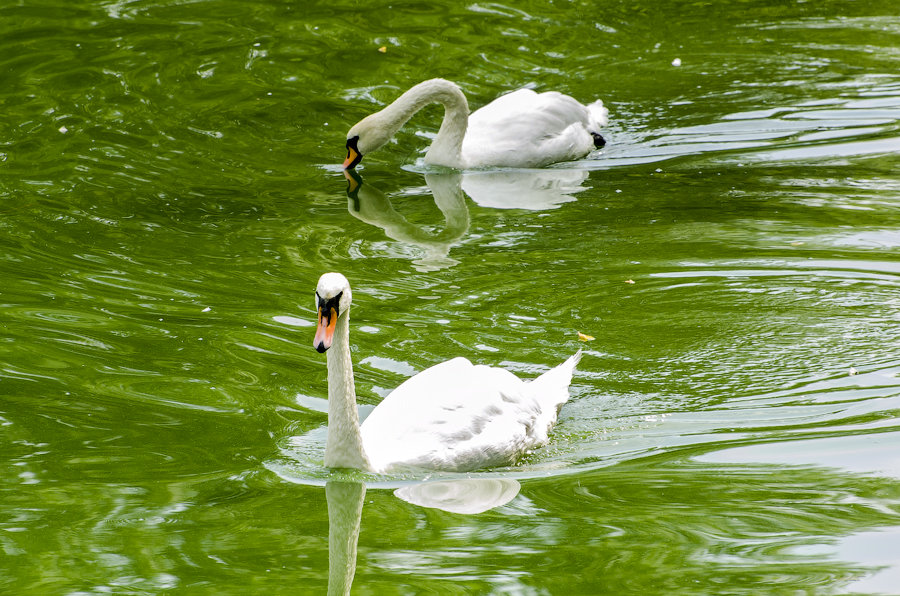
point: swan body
(454, 416)
(522, 129)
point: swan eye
(330, 303)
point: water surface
(170, 193)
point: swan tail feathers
(598, 116)
(552, 387)
(571, 363)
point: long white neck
(446, 149)
(344, 447)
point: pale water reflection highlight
(531, 190)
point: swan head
(365, 136)
(332, 300)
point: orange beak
(353, 158)
(325, 330)
(353, 181)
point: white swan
(453, 416)
(522, 129)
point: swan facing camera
(454, 416)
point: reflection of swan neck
(446, 149)
(447, 193)
(368, 204)
(345, 503)
(343, 448)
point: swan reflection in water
(532, 190)
(469, 495)
(345, 504)
(370, 205)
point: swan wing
(460, 416)
(528, 129)
(452, 416)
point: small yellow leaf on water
(797, 243)
(382, 49)
(629, 281)
(585, 337)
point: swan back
(459, 416)
(528, 129)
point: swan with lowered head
(454, 416)
(522, 129)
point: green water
(170, 191)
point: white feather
(526, 129)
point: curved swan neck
(446, 149)
(344, 447)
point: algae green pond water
(170, 191)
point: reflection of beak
(353, 158)
(325, 330)
(354, 181)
